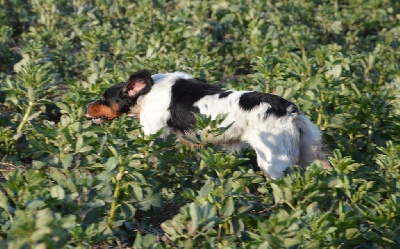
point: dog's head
(120, 98)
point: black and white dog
(280, 134)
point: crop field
(67, 183)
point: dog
(275, 128)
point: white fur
(154, 105)
(278, 142)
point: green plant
(66, 183)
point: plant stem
(26, 116)
(219, 234)
(321, 109)
(114, 204)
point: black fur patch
(114, 91)
(252, 99)
(224, 94)
(115, 94)
(185, 92)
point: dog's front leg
(151, 124)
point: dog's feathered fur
(280, 134)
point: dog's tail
(310, 142)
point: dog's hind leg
(276, 150)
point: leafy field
(66, 183)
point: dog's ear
(139, 82)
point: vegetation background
(68, 184)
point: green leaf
(206, 210)
(111, 163)
(68, 222)
(352, 233)
(96, 203)
(36, 204)
(102, 63)
(338, 120)
(136, 192)
(39, 233)
(38, 164)
(277, 193)
(331, 230)
(168, 227)
(57, 192)
(291, 242)
(34, 115)
(67, 161)
(336, 71)
(128, 210)
(92, 216)
(312, 209)
(79, 142)
(237, 226)
(113, 151)
(206, 189)
(62, 179)
(195, 214)
(63, 107)
(152, 200)
(3, 201)
(228, 207)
